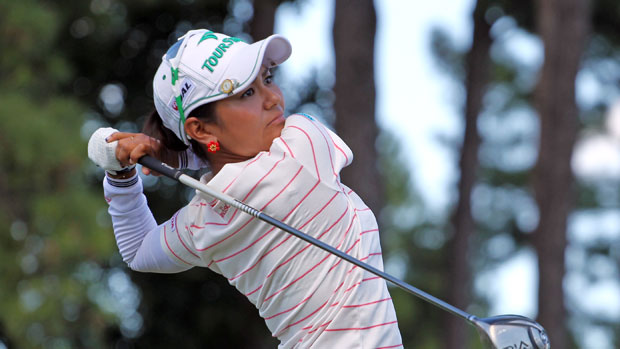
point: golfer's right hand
(132, 146)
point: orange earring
(213, 147)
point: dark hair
(154, 127)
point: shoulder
(307, 116)
(304, 136)
(305, 126)
(301, 120)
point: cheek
(244, 135)
(243, 129)
(279, 93)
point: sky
(418, 102)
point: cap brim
(247, 63)
(242, 69)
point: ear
(200, 131)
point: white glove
(103, 154)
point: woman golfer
(214, 95)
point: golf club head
(512, 332)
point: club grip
(158, 166)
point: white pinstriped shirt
(308, 297)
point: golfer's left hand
(132, 146)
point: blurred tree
(503, 202)
(563, 26)
(52, 243)
(598, 196)
(414, 248)
(459, 247)
(261, 25)
(354, 36)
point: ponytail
(154, 127)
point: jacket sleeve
(136, 232)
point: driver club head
(511, 332)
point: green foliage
(28, 31)
(413, 248)
(604, 21)
(47, 226)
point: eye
(268, 79)
(249, 92)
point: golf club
(501, 332)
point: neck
(221, 158)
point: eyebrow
(266, 72)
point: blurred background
(487, 142)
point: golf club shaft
(168, 171)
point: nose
(272, 97)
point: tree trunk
(459, 285)
(261, 25)
(354, 36)
(564, 27)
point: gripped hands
(132, 146)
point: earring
(213, 147)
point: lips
(278, 119)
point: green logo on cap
(218, 53)
(207, 35)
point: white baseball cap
(203, 67)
